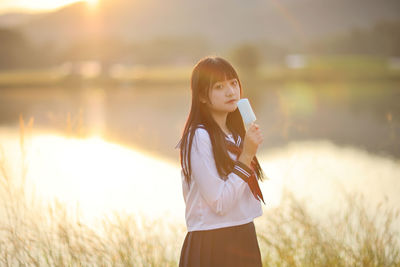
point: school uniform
(219, 213)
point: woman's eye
(234, 82)
(218, 86)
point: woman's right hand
(252, 140)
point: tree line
(17, 51)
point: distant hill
(220, 22)
(16, 18)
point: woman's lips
(232, 101)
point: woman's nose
(230, 90)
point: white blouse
(210, 201)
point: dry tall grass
(33, 233)
(355, 235)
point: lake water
(113, 149)
(102, 177)
(364, 115)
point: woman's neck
(220, 119)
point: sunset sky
(37, 5)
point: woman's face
(224, 96)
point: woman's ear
(203, 99)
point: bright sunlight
(98, 176)
(42, 5)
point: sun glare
(42, 5)
(98, 177)
(105, 177)
(92, 2)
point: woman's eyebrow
(226, 81)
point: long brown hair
(205, 74)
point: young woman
(219, 172)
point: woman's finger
(252, 126)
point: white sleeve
(219, 194)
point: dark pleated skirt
(229, 246)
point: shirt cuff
(241, 170)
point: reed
(36, 233)
(354, 235)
